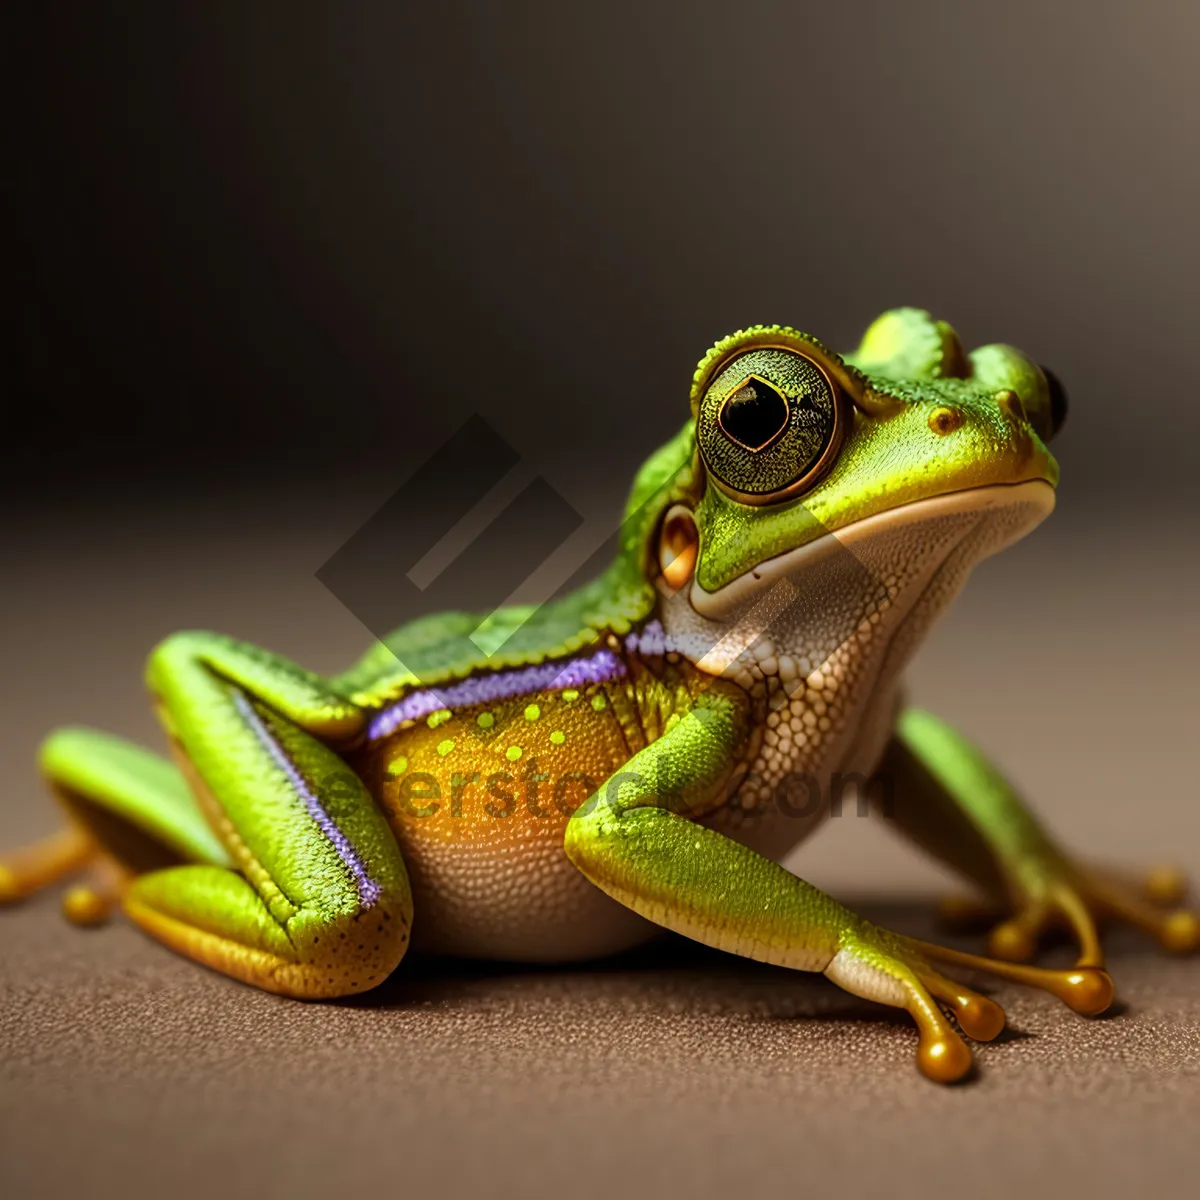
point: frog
(643, 752)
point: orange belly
(479, 799)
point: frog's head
(909, 449)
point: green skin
(225, 863)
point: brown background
(266, 257)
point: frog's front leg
(632, 840)
(317, 902)
(945, 794)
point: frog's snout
(980, 440)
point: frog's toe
(1087, 990)
(27, 871)
(980, 1018)
(1054, 898)
(1064, 896)
(83, 905)
(1180, 932)
(1165, 885)
(943, 1056)
(1016, 939)
(1150, 903)
(93, 902)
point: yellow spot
(485, 720)
(398, 766)
(532, 712)
(513, 753)
(558, 737)
(438, 718)
(445, 747)
(570, 694)
(599, 701)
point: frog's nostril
(944, 420)
(1058, 401)
(1010, 404)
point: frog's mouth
(922, 534)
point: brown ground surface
(126, 1071)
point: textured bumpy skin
(641, 753)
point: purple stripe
(368, 890)
(482, 689)
(652, 642)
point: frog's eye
(1058, 401)
(769, 423)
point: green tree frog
(643, 752)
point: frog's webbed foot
(894, 969)
(1057, 895)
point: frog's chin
(928, 528)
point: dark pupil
(754, 414)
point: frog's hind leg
(130, 812)
(318, 904)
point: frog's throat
(1022, 506)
